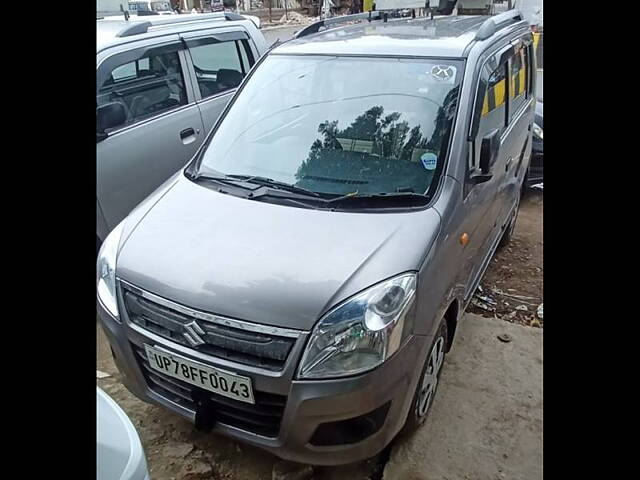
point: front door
(481, 202)
(154, 125)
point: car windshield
(340, 125)
(161, 6)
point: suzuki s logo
(192, 334)
(443, 73)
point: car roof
(107, 28)
(442, 36)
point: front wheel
(428, 384)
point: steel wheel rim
(430, 378)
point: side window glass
(142, 89)
(530, 70)
(517, 82)
(246, 54)
(491, 108)
(494, 105)
(217, 67)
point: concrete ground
(486, 420)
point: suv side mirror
(489, 151)
(109, 115)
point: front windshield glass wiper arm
(357, 198)
(269, 182)
(224, 179)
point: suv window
(494, 105)
(146, 87)
(518, 82)
(219, 66)
(491, 106)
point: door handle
(188, 135)
(187, 132)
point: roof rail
(493, 24)
(315, 27)
(136, 28)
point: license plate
(203, 376)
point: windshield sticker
(429, 160)
(444, 73)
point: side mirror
(489, 151)
(109, 115)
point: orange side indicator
(464, 239)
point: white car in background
(119, 452)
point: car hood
(261, 262)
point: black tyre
(428, 383)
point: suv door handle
(188, 135)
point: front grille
(262, 418)
(261, 350)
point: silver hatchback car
(298, 284)
(162, 82)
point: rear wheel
(428, 384)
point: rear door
(218, 61)
(161, 131)
(517, 137)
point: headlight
(106, 270)
(537, 131)
(361, 333)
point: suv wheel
(428, 384)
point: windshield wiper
(223, 179)
(269, 182)
(402, 197)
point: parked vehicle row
(298, 284)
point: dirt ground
(511, 288)
(175, 450)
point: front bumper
(307, 403)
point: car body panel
(248, 265)
(119, 451)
